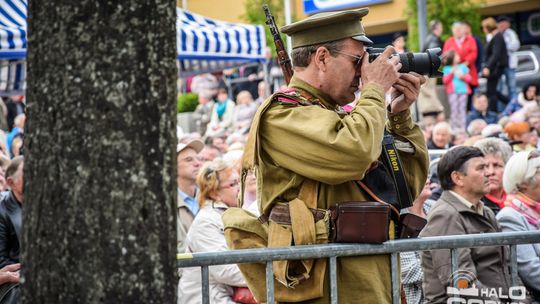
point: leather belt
(280, 214)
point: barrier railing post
(513, 264)
(269, 283)
(454, 264)
(205, 285)
(396, 288)
(333, 280)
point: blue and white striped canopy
(204, 44)
(13, 29)
(12, 46)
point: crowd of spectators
(12, 121)
(465, 186)
(492, 144)
(487, 180)
(466, 59)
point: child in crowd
(480, 110)
(456, 79)
(527, 96)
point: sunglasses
(357, 59)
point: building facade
(386, 16)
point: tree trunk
(99, 211)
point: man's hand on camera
(406, 90)
(383, 71)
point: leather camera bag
(360, 222)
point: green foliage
(187, 102)
(255, 15)
(412, 25)
(447, 11)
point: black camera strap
(390, 157)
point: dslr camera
(427, 63)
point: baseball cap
(195, 144)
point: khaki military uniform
(298, 137)
(296, 141)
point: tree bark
(100, 160)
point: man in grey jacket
(464, 180)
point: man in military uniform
(300, 134)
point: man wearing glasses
(301, 134)
(188, 166)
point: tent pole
(288, 21)
(184, 4)
(422, 22)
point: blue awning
(206, 45)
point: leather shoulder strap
(376, 198)
(288, 96)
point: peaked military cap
(328, 26)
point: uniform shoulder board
(291, 96)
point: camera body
(427, 63)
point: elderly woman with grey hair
(497, 152)
(522, 213)
(219, 184)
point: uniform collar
(318, 95)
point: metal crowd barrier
(333, 251)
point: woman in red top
(497, 152)
(465, 46)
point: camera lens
(427, 63)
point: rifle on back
(282, 55)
